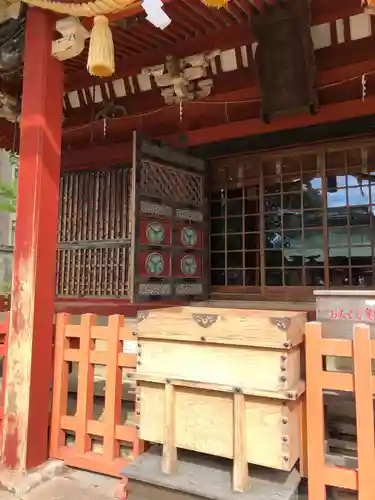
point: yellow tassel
(215, 3)
(101, 59)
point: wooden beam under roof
(217, 36)
(346, 63)
(102, 155)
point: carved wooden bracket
(10, 107)
(73, 39)
(183, 79)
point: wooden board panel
(204, 423)
(279, 329)
(265, 369)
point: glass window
(312, 223)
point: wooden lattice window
(94, 233)
(294, 220)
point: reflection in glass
(339, 256)
(272, 204)
(312, 198)
(360, 216)
(252, 277)
(292, 240)
(218, 242)
(292, 219)
(234, 207)
(217, 209)
(312, 219)
(315, 276)
(299, 206)
(360, 236)
(274, 277)
(251, 223)
(293, 277)
(217, 260)
(252, 241)
(339, 277)
(312, 183)
(217, 226)
(234, 278)
(272, 221)
(273, 239)
(234, 225)
(252, 259)
(218, 278)
(338, 236)
(235, 260)
(358, 196)
(362, 276)
(234, 242)
(292, 201)
(274, 258)
(337, 198)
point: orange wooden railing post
(363, 388)
(362, 384)
(315, 412)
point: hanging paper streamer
(156, 14)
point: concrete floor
(81, 485)
(72, 485)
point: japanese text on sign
(365, 315)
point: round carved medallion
(189, 265)
(189, 236)
(155, 263)
(155, 233)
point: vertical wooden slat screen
(93, 254)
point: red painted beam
(108, 154)
(29, 363)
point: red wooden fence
(94, 436)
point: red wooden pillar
(29, 364)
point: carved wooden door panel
(169, 239)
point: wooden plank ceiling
(343, 37)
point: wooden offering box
(248, 349)
(222, 382)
